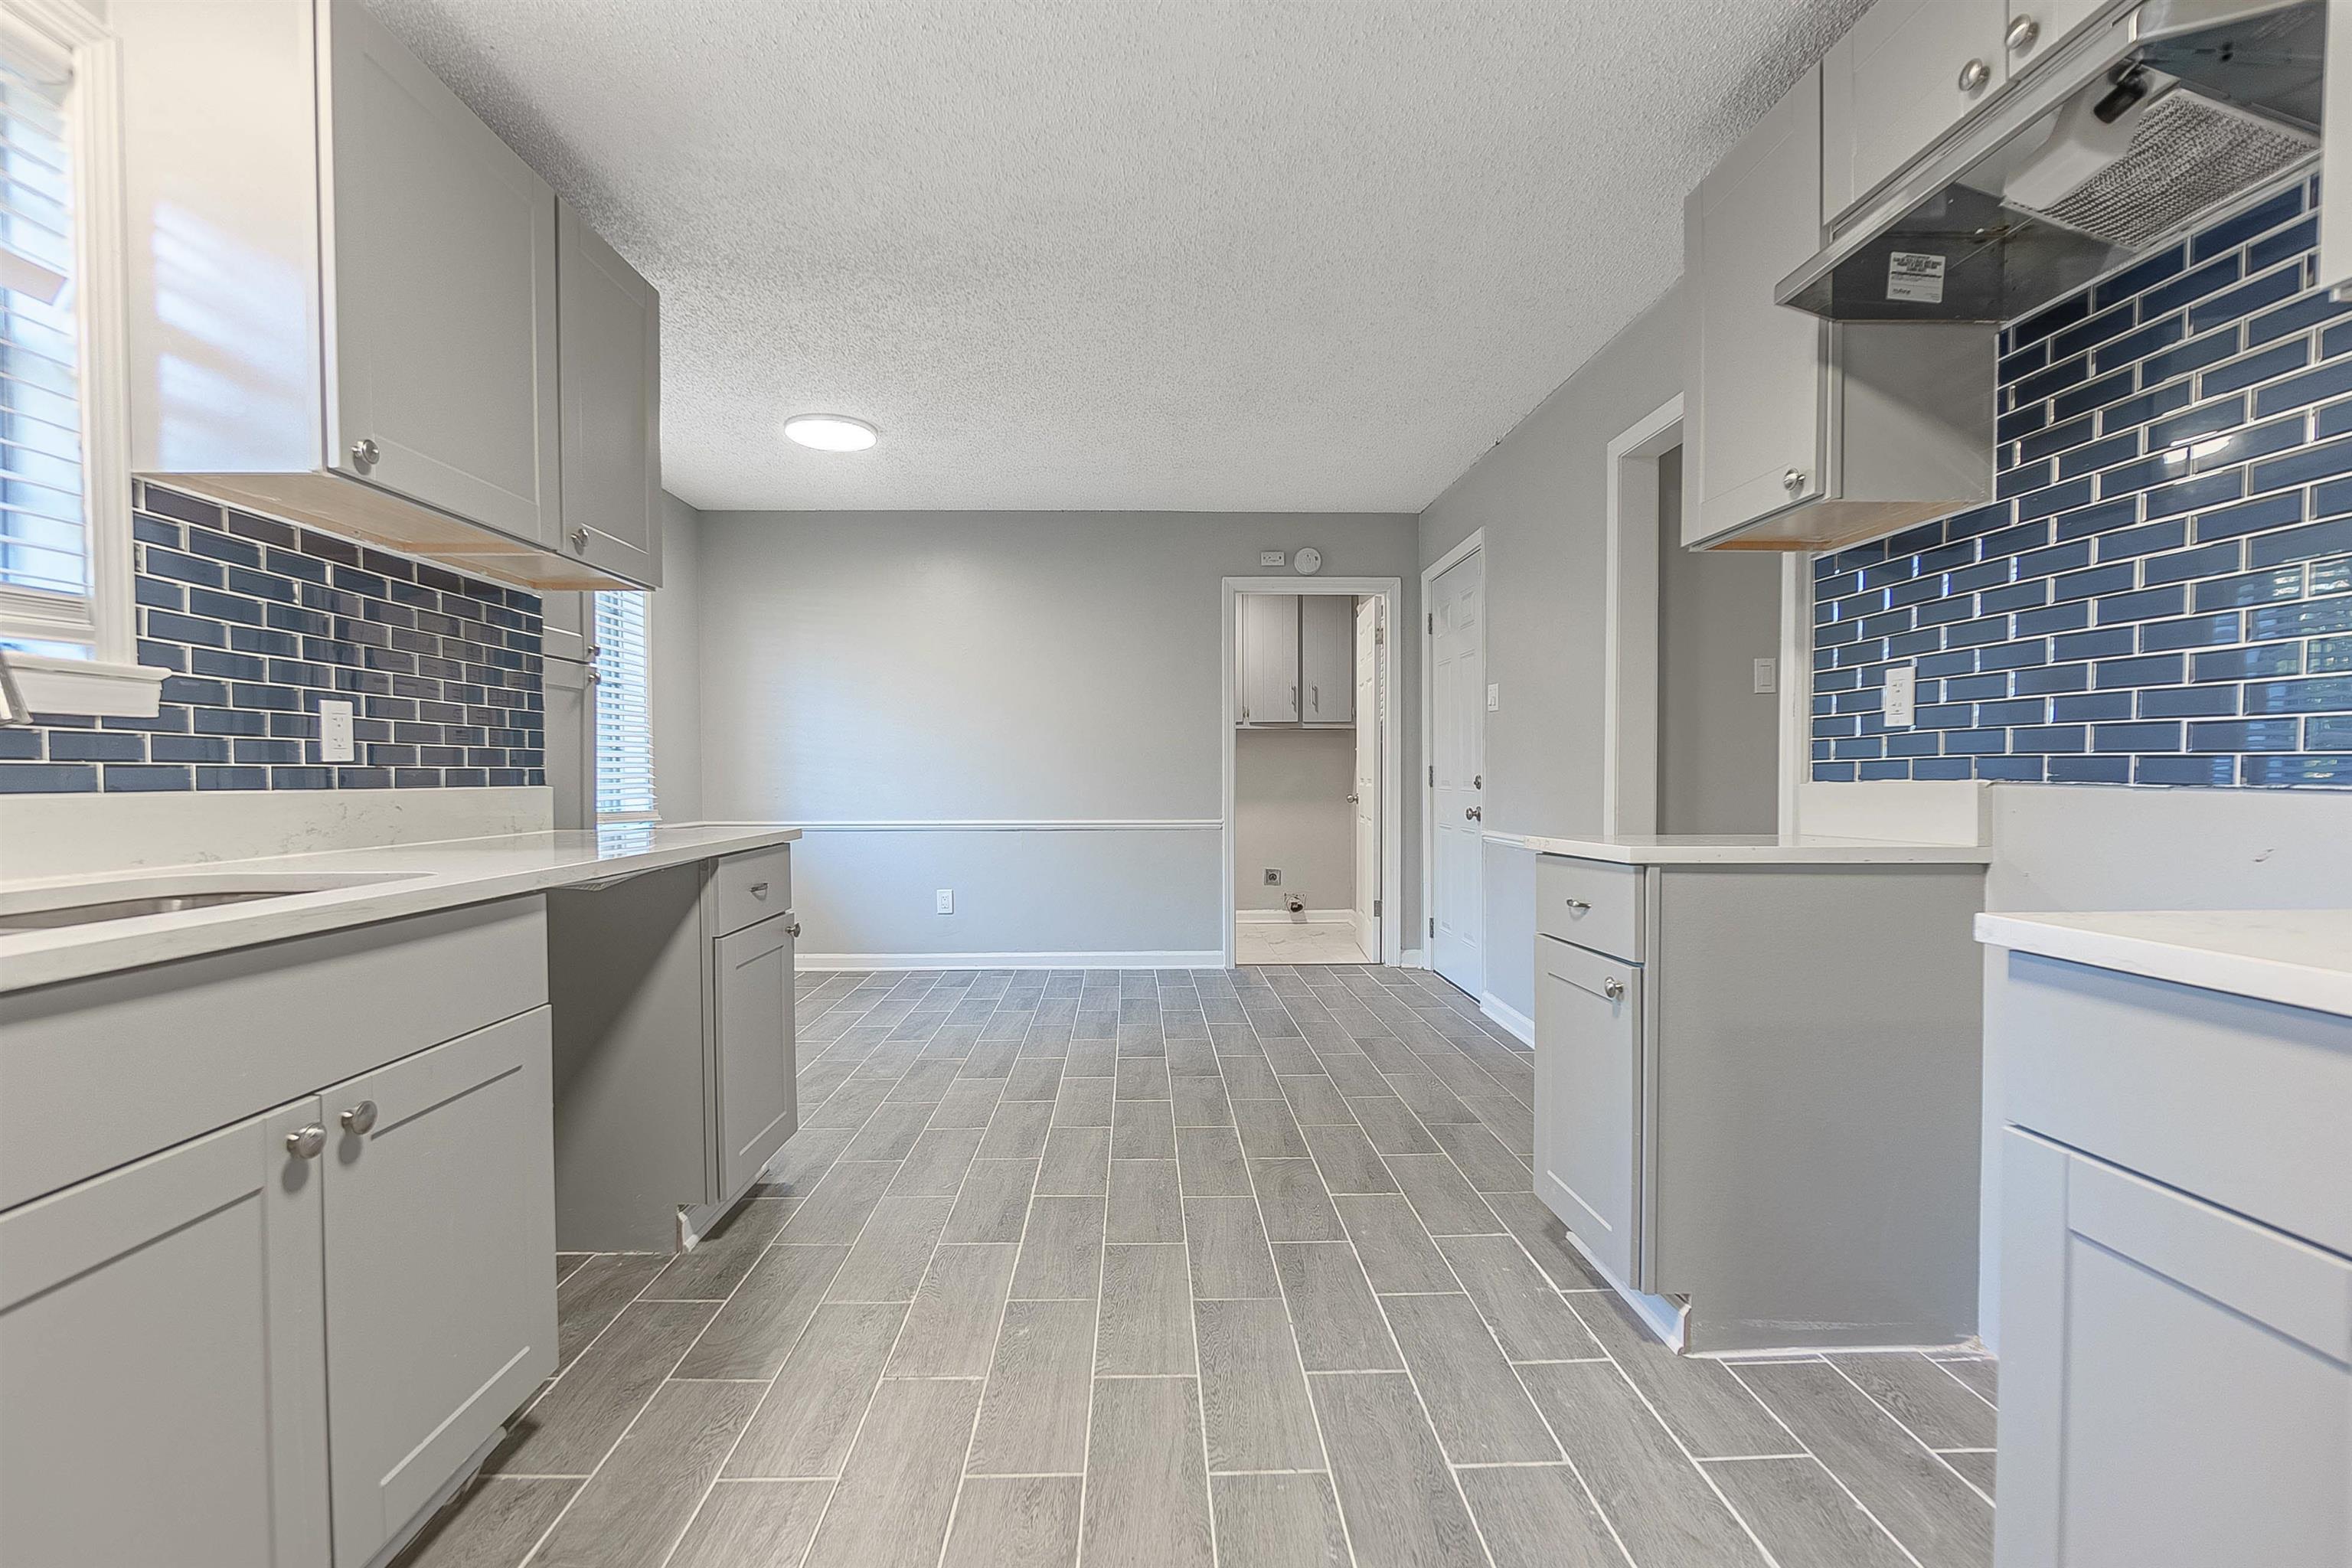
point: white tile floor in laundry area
(1188, 1269)
(1297, 941)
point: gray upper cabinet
(440, 1304)
(751, 974)
(162, 1353)
(1266, 658)
(1327, 658)
(566, 624)
(1904, 73)
(609, 324)
(442, 255)
(1754, 432)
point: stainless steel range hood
(2127, 134)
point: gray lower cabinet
(674, 1052)
(2176, 1274)
(2176, 1380)
(162, 1360)
(440, 1305)
(1757, 1093)
(1589, 1096)
(759, 1104)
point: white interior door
(1457, 686)
(1365, 792)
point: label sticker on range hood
(1917, 276)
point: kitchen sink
(131, 909)
(58, 909)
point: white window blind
(624, 731)
(44, 554)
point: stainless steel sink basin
(131, 909)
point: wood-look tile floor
(1237, 1268)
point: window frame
(605, 680)
(110, 682)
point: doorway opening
(1311, 800)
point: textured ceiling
(1199, 254)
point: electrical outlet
(944, 901)
(335, 733)
(1273, 878)
(1902, 695)
(1768, 675)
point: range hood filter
(2180, 154)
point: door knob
(359, 1118)
(364, 452)
(1474, 814)
(1974, 75)
(2021, 34)
(306, 1143)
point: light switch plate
(1269, 557)
(335, 733)
(1493, 697)
(1902, 695)
(1768, 675)
(944, 901)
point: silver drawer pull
(306, 1143)
(359, 1118)
(1613, 989)
(794, 931)
(1579, 905)
(759, 889)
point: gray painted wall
(1541, 495)
(1718, 739)
(1291, 810)
(676, 627)
(960, 667)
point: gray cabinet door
(1897, 80)
(1327, 658)
(440, 1253)
(567, 625)
(758, 1106)
(161, 1341)
(571, 741)
(2176, 1381)
(440, 262)
(1589, 1086)
(1266, 659)
(609, 323)
(1755, 418)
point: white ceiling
(1198, 255)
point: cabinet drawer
(1591, 903)
(745, 889)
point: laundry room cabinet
(1295, 659)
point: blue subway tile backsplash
(259, 620)
(2163, 592)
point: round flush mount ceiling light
(831, 432)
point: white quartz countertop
(353, 886)
(2302, 958)
(1757, 849)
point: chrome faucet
(14, 714)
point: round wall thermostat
(1309, 561)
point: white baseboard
(1521, 1027)
(1284, 917)
(1413, 958)
(1206, 957)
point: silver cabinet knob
(794, 931)
(580, 539)
(1579, 905)
(364, 452)
(1474, 814)
(595, 676)
(1353, 798)
(2021, 34)
(1793, 480)
(596, 650)
(306, 1142)
(1974, 75)
(359, 1118)
(1613, 989)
